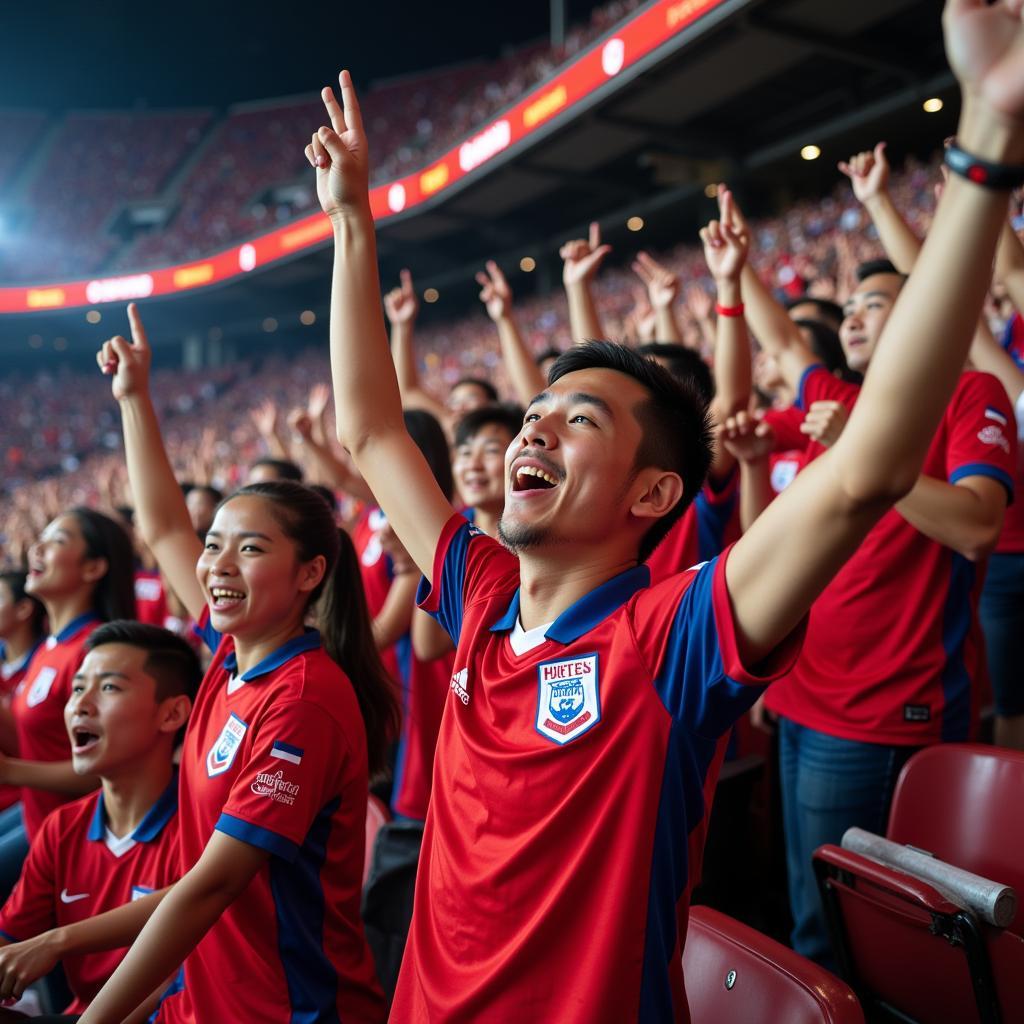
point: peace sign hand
(127, 363)
(339, 153)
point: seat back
(736, 975)
(962, 802)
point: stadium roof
(734, 96)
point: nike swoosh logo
(65, 898)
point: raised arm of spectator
(662, 290)
(698, 302)
(268, 423)
(523, 371)
(580, 261)
(780, 565)
(327, 464)
(401, 306)
(161, 515)
(367, 402)
(869, 175)
(316, 409)
(726, 244)
(750, 442)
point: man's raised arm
(366, 398)
(787, 557)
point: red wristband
(729, 310)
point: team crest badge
(222, 753)
(40, 687)
(569, 701)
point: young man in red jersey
(130, 698)
(892, 656)
(588, 711)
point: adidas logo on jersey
(460, 684)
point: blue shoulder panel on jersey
(75, 625)
(205, 631)
(799, 403)
(255, 835)
(691, 682)
(452, 583)
(301, 907)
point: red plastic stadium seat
(735, 975)
(899, 941)
(376, 815)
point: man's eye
(580, 418)
(530, 417)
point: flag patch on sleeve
(286, 752)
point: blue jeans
(13, 848)
(1001, 611)
(828, 785)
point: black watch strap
(999, 177)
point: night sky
(115, 54)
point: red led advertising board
(631, 41)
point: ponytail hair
(113, 596)
(307, 520)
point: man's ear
(175, 713)
(657, 493)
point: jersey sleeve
(29, 909)
(818, 385)
(982, 432)
(785, 424)
(687, 635)
(293, 772)
(205, 631)
(715, 508)
(468, 566)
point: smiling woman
(312, 713)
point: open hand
(581, 257)
(339, 153)
(319, 397)
(127, 363)
(264, 416)
(300, 422)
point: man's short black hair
(871, 267)
(506, 415)
(825, 344)
(684, 364)
(283, 469)
(828, 310)
(548, 353)
(169, 659)
(674, 420)
(208, 489)
(485, 385)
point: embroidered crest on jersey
(783, 474)
(994, 435)
(40, 687)
(460, 684)
(138, 891)
(225, 747)
(275, 787)
(569, 701)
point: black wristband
(999, 177)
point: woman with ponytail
(81, 570)
(275, 768)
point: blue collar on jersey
(74, 626)
(309, 641)
(589, 611)
(18, 665)
(151, 825)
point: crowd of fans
(586, 573)
(201, 167)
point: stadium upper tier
(103, 193)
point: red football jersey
(277, 758)
(375, 566)
(705, 529)
(571, 790)
(893, 645)
(150, 598)
(72, 873)
(11, 675)
(38, 708)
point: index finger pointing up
(595, 234)
(353, 115)
(138, 331)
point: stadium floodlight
(93, 316)
(635, 223)
(431, 295)
(307, 317)
(932, 105)
(270, 325)
(527, 264)
(811, 152)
